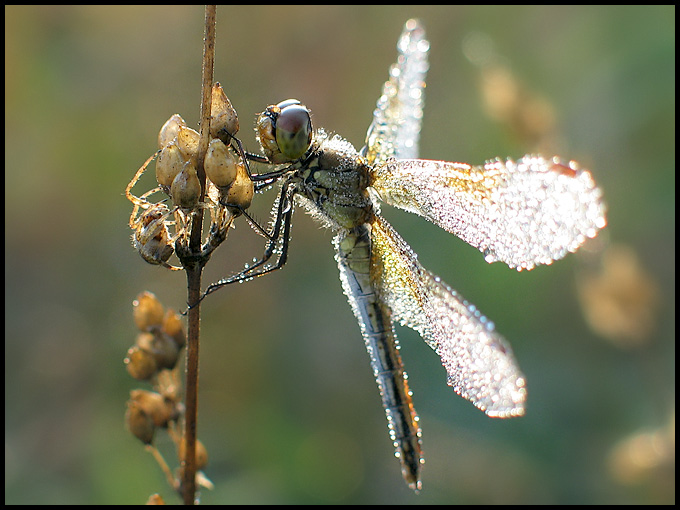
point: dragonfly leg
(280, 235)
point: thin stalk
(194, 271)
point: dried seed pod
(187, 141)
(169, 130)
(147, 311)
(223, 115)
(168, 383)
(221, 164)
(165, 350)
(155, 499)
(139, 423)
(186, 188)
(160, 346)
(140, 363)
(169, 163)
(145, 341)
(157, 407)
(201, 453)
(240, 193)
(172, 325)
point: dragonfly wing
(395, 130)
(479, 363)
(529, 212)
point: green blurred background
(289, 410)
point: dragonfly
(523, 213)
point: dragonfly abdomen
(354, 261)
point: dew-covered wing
(479, 363)
(529, 212)
(395, 130)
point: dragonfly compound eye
(293, 130)
(284, 131)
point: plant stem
(194, 271)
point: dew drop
(490, 256)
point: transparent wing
(479, 363)
(529, 212)
(395, 130)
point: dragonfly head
(284, 131)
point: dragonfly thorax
(334, 179)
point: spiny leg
(281, 228)
(128, 190)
